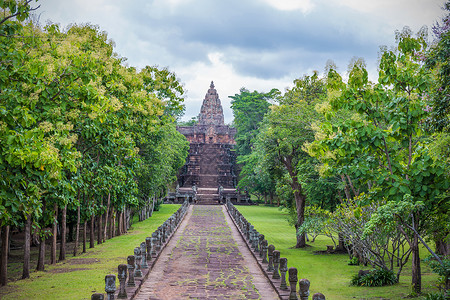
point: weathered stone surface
(149, 244)
(122, 276)
(318, 296)
(204, 263)
(276, 264)
(264, 251)
(144, 264)
(283, 270)
(131, 263)
(293, 283)
(271, 248)
(209, 175)
(110, 286)
(211, 112)
(303, 289)
(97, 296)
(137, 255)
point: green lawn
(328, 274)
(79, 277)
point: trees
(383, 143)
(249, 109)
(286, 130)
(73, 121)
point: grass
(79, 277)
(328, 274)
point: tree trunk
(346, 189)
(105, 231)
(100, 227)
(77, 233)
(84, 236)
(54, 235)
(416, 277)
(62, 250)
(119, 217)
(41, 257)
(300, 200)
(113, 227)
(340, 246)
(4, 260)
(91, 233)
(26, 248)
(442, 247)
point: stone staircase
(207, 196)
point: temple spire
(211, 112)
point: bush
(436, 296)
(376, 277)
(354, 261)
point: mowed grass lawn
(79, 277)
(328, 274)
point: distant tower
(211, 112)
(210, 167)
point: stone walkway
(206, 259)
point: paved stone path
(206, 259)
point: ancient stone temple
(209, 175)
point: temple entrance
(210, 174)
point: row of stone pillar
(275, 266)
(142, 258)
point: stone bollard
(256, 242)
(250, 234)
(97, 296)
(122, 276)
(283, 270)
(276, 264)
(318, 296)
(154, 242)
(131, 263)
(162, 235)
(137, 255)
(248, 230)
(293, 283)
(148, 243)
(303, 289)
(261, 239)
(144, 264)
(110, 286)
(271, 248)
(264, 251)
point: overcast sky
(257, 44)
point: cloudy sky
(257, 44)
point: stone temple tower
(210, 169)
(211, 112)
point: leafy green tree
(383, 143)
(72, 121)
(286, 131)
(249, 109)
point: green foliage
(437, 59)
(376, 277)
(249, 109)
(354, 261)
(435, 296)
(77, 126)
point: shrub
(376, 277)
(435, 296)
(354, 261)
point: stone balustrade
(144, 257)
(274, 267)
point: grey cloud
(256, 39)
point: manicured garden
(329, 274)
(79, 277)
